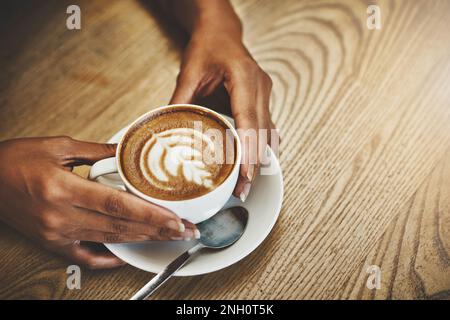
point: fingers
(106, 237)
(75, 152)
(274, 139)
(187, 84)
(196, 82)
(84, 255)
(90, 152)
(194, 233)
(243, 95)
(96, 227)
(266, 135)
(120, 204)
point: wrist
(211, 22)
(211, 31)
(206, 17)
(218, 19)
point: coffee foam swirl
(176, 154)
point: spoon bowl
(224, 228)
(218, 232)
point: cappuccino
(178, 154)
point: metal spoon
(218, 232)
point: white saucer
(263, 205)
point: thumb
(81, 152)
(90, 257)
(184, 92)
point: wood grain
(414, 252)
(364, 118)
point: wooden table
(364, 117)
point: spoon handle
(165, 274)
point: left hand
(215, 57)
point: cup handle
(103, 167)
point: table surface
(364, 118)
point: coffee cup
(197, 208)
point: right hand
(42, 198)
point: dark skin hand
(42, 198)
(217, 56)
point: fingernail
(250, 172)
(245, 191)
(175, 225)
(197, 234)
(189, 234)
(176, 238)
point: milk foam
(174, 152)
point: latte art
(172, 154)
(168, 156)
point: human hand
(43, 199)
(216, 55)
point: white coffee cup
(195, 210)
